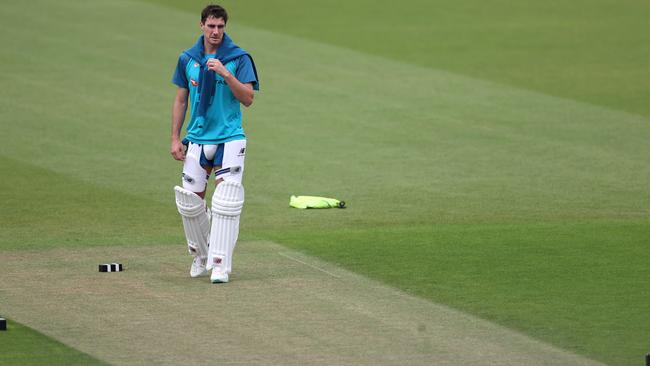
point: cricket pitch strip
(281, 308)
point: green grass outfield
(24, 346)
(494, 159)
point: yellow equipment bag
(315, 202)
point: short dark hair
(214, 11)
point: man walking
(216, 76)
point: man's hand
(243, 92)
(216, 66)
(178, 150)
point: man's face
(213, 30)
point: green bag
(315, 202)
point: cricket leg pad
(196, 221)
(227, 204)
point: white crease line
(307, 264)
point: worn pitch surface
(281, 308)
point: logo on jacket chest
(194, 74)
(218, 81)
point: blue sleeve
(179, 78)
(246, 72)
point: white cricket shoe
(218, 276)
(198, 267)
